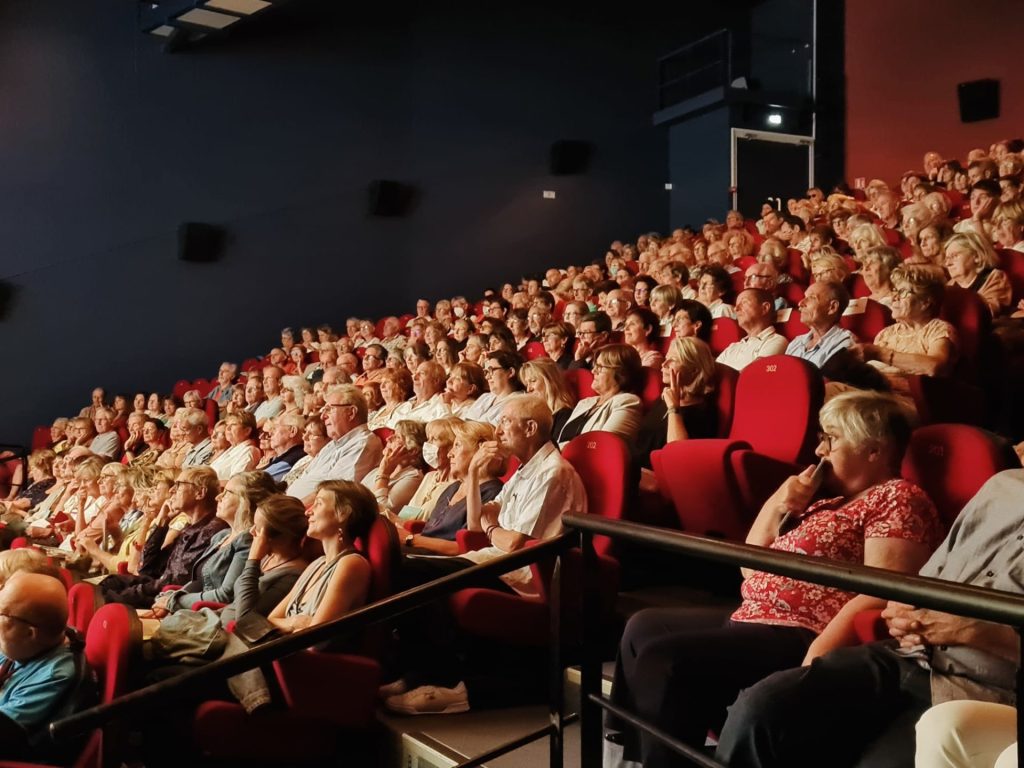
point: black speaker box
(390, 198)
(570, 157)
(199, 242)
(979, 100)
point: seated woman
(174, 456)
(168, 405)
(918, 342)
(864, 236)
(664, 301)
(574, 312)
(558, 340)
(972, 263)
(930, 243)
(79, 506)
(686, 408)
(121, 409)
(501, 369)
(192, 399)
(542, 377)
(466, 382)
(400, 472)
(1008, 223)
(218, 568)
(641, 331)
(237, 402)
(692, 319)
(39, 516)
(41, 480)
(616, 408)
(642, 287)
(449, 513)
(114, 500)
(445, 354)
(415, 352)
(314, 438)
(339, 581)
(395, 388)
(440, 436)
(829, 267)
(296, 364)
(680, 668)
(876, 268)
(244, 453)
(154, 437)
(714, 286)
(218, 439)
(154, 406)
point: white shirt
(234, 460)
(434, 408)
(719, 308)
(533, 502)
(268, 409)
(742, 353)
(487, 408)
(349, 457)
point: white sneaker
(397, 688)
(430, 700)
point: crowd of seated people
(417, 418)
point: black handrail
(963, 600)
(261, 655)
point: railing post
(590, 683)
(556, 690)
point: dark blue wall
(106, 144)
(699, 150)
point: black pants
(851, 707)
(679, 668)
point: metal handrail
(963, 600)
(382, 610)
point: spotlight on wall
(775, 119)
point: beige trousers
(967, 734)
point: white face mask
(458, 311)
(430, 454)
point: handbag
(188, 636)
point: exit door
(769, 165)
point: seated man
(765, 275)
(221, 393)
(594, 332)
(99, 400)
(353, 451)
(617, 306)
(427, 403)
(274, 403)
(38, 670)
(195, 430)
(286, 444)
(328, 359)
(529, 506)
(858, 705)
(820, 309)
(755, 313)
(195, 495)
(107, 443)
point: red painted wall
(904, 59)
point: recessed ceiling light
(244, 7)
(205, 18)
(774, 119)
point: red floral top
(895, 509)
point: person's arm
(900, 555)
(347, 590)
(440, 546)
(478, 514)
(996, 292)
(790, 500)
(921, 626)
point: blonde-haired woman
(972, 263)
(865, 236)
(449, 514)
(437, 455)
(396, 478)
(543, 377)
(876, 268)
(221, 564)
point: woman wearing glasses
(618, 376)
(918, 342)
(681, 668)
(501, 369)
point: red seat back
(533, 350)
(792, 293)
(83, 602)
(796, 268)
(789, 324)
(858, 288)
(725, 396)
(212, 413)
(203, 386)
(776, 409)
(1012, 262)
(181, 387)
(580, 381)
(40, 438)
(602, 461)
(251, 364)
(383, 433)
(972, 318)
(651, 392)
(724, 331)
(380, 546)
(510, 468)
(110, 645)
(867, 324)
(952, 461)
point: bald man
(37, 668)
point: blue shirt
(36, 687)
(835, 339)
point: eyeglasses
(488, 370)
(183, 482)
(903, 293)
(828, 440)
(602, 367)
(586, 333)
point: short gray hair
(192, 417)
(868, 417)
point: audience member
(755, 313)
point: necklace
(265, 567)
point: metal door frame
(735, 134)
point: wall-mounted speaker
(390, 198)
(570, 157)
(199, 242)
(979, 100)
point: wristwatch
(408, 539)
